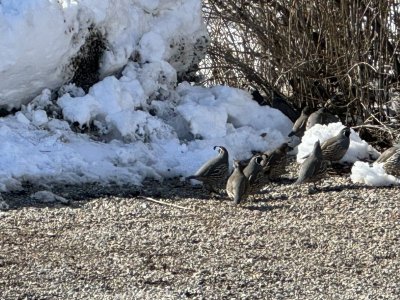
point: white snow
(79, 109)
(151, 47)
(146, 127)
(134, 144)
(40, 37)
(358, 149)
(374, 175)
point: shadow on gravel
(351, 186)
(265, 208)
(75, 195)
(78, 195)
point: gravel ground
(340, 242)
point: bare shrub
(310, 52)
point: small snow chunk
(140, 125)
(151, 47)
(71, 89)
(39, 117)
(43, 100)
(111, 97)
(374, 175)
(157, 78)
(22, 118)
(135, 90)
(48, 197)
(55, 125)
(79, 109)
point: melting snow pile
(374, 174)
(40, 38)
(133, 143)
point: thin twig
(377, 120)
(370, 126)
(163, 203)
(362, 63)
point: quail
(299, 127)
(214, 172)
(387, 154)
(280, 102)
(391, 160)
(334, 148)
(314, 167)
(237, 185)
(254, 172)
(392, 164)
(321, 116)
(276, 161)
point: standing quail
(254, 172)
(391, 160)
(334, 148)
(321, 116)
(276, 161)
(300, 125)
(214, 172)
(237, 185)
(314, 167)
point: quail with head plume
(314, 167)
(334, 148)
(254, 172)
(276, 161)
(391, 160)
(321, 116)
(214, 172)
(300, 125)
(237, 185)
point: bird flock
(251, 175)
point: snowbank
(141, 125)
(132, 143)
(40, 38)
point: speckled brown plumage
(214, 172)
